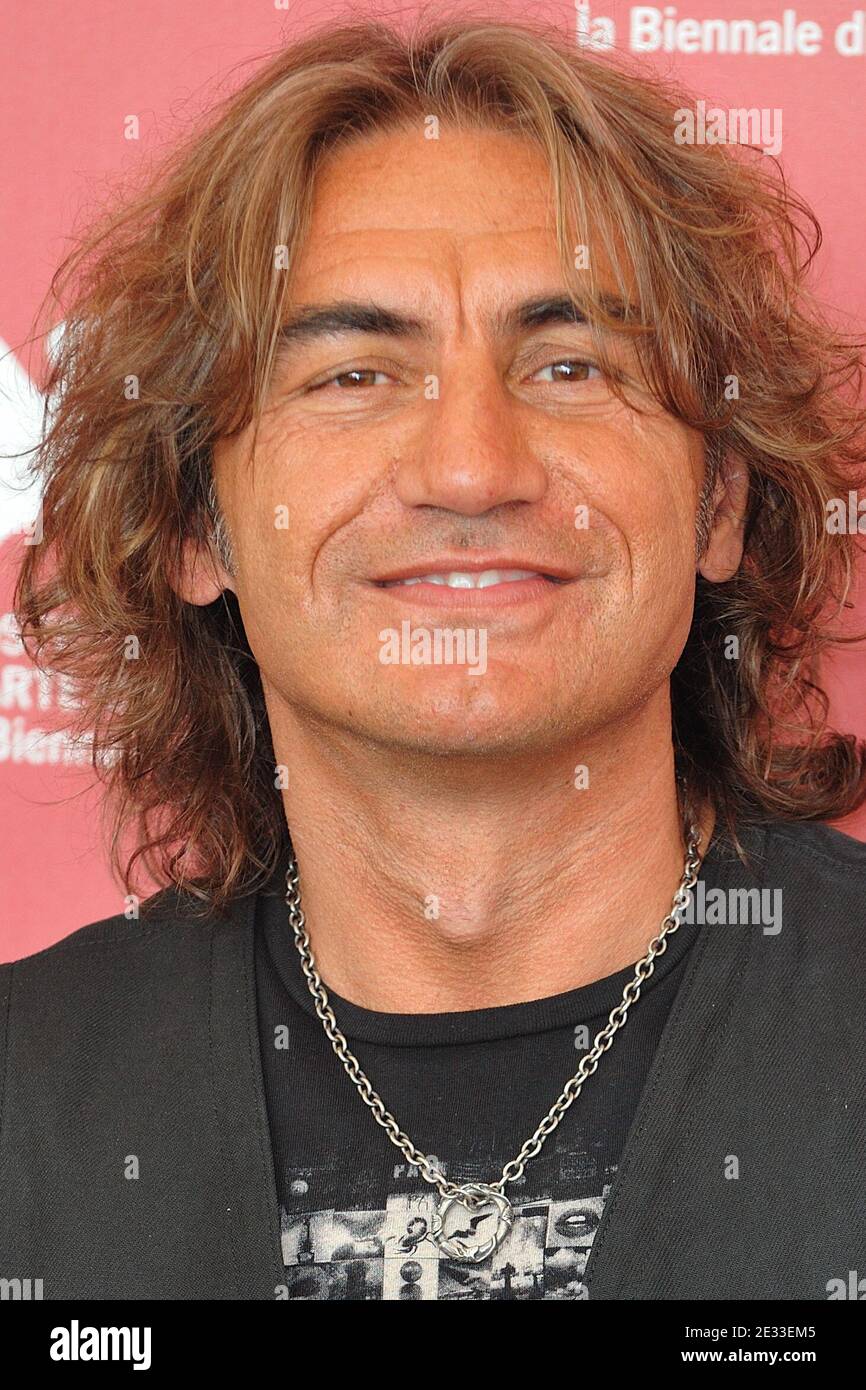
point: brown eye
(576, 369)
(355, 376)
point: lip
(476, 564)
(507, 595)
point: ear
(199, 578)
(724, 549)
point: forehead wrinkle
(441, 283)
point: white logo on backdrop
(21, 419)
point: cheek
(286, 520)
(650, 492)
(320, 481)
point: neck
(436, 886)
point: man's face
(476, 445)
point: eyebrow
(312, 321)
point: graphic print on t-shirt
(358, 1253)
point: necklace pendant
(475, 1236)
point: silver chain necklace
(474, 1195)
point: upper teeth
(464, 579)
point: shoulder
(165, 911)
(810, 879)
(811, 852)
(118, 961)
(817, 860)
(98, 1010)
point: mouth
(474, 585)
(470, 579)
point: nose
(470, 453)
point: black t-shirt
(469, 1087)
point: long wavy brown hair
(172, 307)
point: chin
(454, 732)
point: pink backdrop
(71, 74)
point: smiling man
(445, 594)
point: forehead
(466, 182)
(475, 206)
